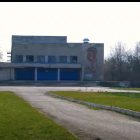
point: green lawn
(118, 99)
(120, 88)
(19, 121)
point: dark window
(63, 59)
(29, 58)
(40, 58)
(51, 59)
(19, 58)
(73, 59)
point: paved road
(85, 123)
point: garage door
(24, 73)
(46, 74)
(70, 74)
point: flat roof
(53, 43)
(40, 39)
(36, 36)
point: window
(51, 59)
(40, 58)
(63, 59)
(19, 58)
(73, 59)
(29, 58)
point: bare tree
(118, 52)
(137, 50)
(136, 62)
(1, 55)
(123, 64)
(110, 68)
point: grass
(89, 106)
(118, 99)
(120, 88)
(20, 121)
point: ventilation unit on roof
(86, 40)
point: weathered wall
(5, 74)
(90, 55)
(93, 57)
(46, 65)
(39, 39)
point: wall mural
(91, 56)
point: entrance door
(46, 74)
(70, 74)
(24, 73)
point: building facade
(52, 58)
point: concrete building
(52, 58)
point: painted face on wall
(91, 56)
(91, 53)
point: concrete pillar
(10, 75)
(35, 74)
(82, 74)
(57, 59)
(24, 58)
(58, 78)
(46, 58)
(13, 73)
(35, 58)
(68, 59)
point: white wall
(5, 74)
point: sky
(100, 22)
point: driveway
(85, 123)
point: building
(40, 58)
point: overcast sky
(101, 22)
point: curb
(117, 109)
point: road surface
(85, 123)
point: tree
(119, 52)
(137, 50)
(1, 55)
(110, 68)
(136, 62)
(123, 64)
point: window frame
(72, 59)
(17, 60)
(29, 56)
(61, 59)
(51, 59)
(40, 59)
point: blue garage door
(24, 73)
(46, 74)
(70, 74)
